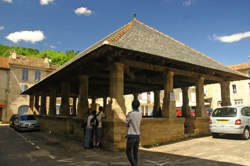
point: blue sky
(217, 28)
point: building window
(25, 74)
(37, 75)
(23, 109)
(234, 88)
(24, 87)
(238, 102)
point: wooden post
(43, 110)
(74, 107)
(185, 105)
(52, 102)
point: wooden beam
(159, 68)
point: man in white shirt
(133, 122)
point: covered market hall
(135, 58)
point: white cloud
(46, 2)
(187, 3)
(52, 46)
(8, 1)
(28, 36)
(232, 38)
(1, 28)
(83, 10)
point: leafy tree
(56, 57)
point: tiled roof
(241, 66)
(4, 62)
(29, 61)
(137, 36)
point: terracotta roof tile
(4, 62)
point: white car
(230, 120)
(26, 123)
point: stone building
(135, 58)
(239, 90)
(4, 75)
(19, 73)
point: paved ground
(40, 148)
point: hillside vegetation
(57, 57)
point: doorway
(1, 111)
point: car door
(248, 115)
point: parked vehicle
(26, 123)
(230, 120)
(12, 119)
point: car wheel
(245, 134)
(215, 135)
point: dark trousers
(132, 145)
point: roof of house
(30, 61)
(4, 62)
(241, 66)
(137, 36)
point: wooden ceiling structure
(146, 54)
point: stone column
(43, 110)
(156, 103)
(93, 104)
(185, 104)
(74, 107)
(225, 93)
(52, 102)
(200, 107)
(118, 109)
(83, 104)
(169, 107)
(65, 90)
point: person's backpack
(94, 121)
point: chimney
(13, 54)
(46, 59)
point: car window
(224, 112)
(27, 117)
(247, 111)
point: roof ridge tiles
(122, 31)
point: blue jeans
(132, 145)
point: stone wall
(153, 130)
(15, 100)
(161, 130)
(201, 126)
(67, 126)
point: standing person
(88, 135)
(133, 122)
(99, 130)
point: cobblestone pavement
(41, 148)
